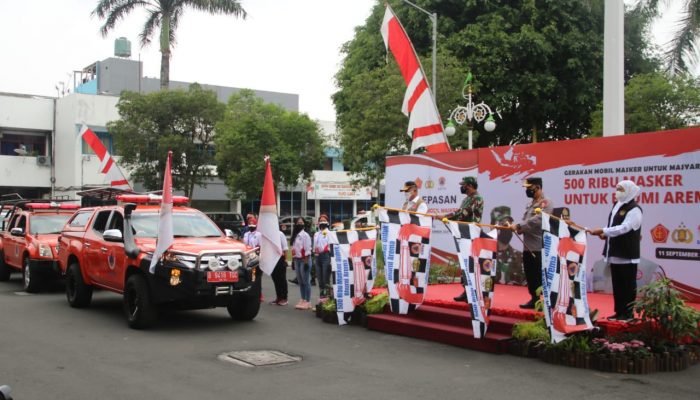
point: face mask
(298, 227)
(504, 236)
(251, 228)
(323, 226)
(530, 192)
(409, 196)
(619, 194)
(463, 189)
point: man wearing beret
(531, 229)
(413, 201)
(470, 210)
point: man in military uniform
(509, 261)
(470, 210)
(531, 229)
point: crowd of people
(310, 256)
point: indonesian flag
(424, 123)
(268, 225)
(165, 218)
(108, 166)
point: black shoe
(461, 297)
(530, 305)
(294, 281)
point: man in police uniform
(470, 210)
(531, 229)
(413, 201)
(509, 261)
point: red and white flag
(424, 123)
(108, 166)
(268, 224)
(165, 217)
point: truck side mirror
(17, 232)
(129, 243)
(112, 235)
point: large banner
(564, 279)
(579, 177)
(406, 247)
(354, 268)
(477, 250)
(437, 176)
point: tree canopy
(656, 102)
(252, 129)
(163, 14)
(178, 120)
(538, 63)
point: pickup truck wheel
(78, 293)
(5, 271)
(140, 311)
(244, 308)
(31, 279)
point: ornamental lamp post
(470, 113)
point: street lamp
(433, 19)
(472, 112)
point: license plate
(222, 276)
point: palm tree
(164, 14)
(682, 50)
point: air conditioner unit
(43, 160)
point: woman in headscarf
(622, 238)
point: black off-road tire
(32, 280)
(244, 308)
(78, 293)
(140, 311)
(5, 270)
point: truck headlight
(45, 250)
(249, 257)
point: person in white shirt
(301, 252)
(252, 236)
(323, 257)
(622, 248)
(279, 274)
(413, 201)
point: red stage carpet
(434, 320)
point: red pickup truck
(28, 239)
(111, 248)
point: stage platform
(441, 319)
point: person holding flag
(269, 237)
(323, 257)
(279, 274)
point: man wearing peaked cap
(531, 229)
(470, 210)
(413, 201)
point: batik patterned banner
(406, 246)
(564, 278)
(476, 250)
(354, 268)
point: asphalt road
(51, 351)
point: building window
(26, 145)
(106, 140)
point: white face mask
(619, 194)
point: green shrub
(376, 304)
(531, 331)
(667, 317)
(329, 305)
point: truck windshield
(184, 225)
(45, 224)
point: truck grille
(220, 261)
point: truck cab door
(93, 245)
(113, 255)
